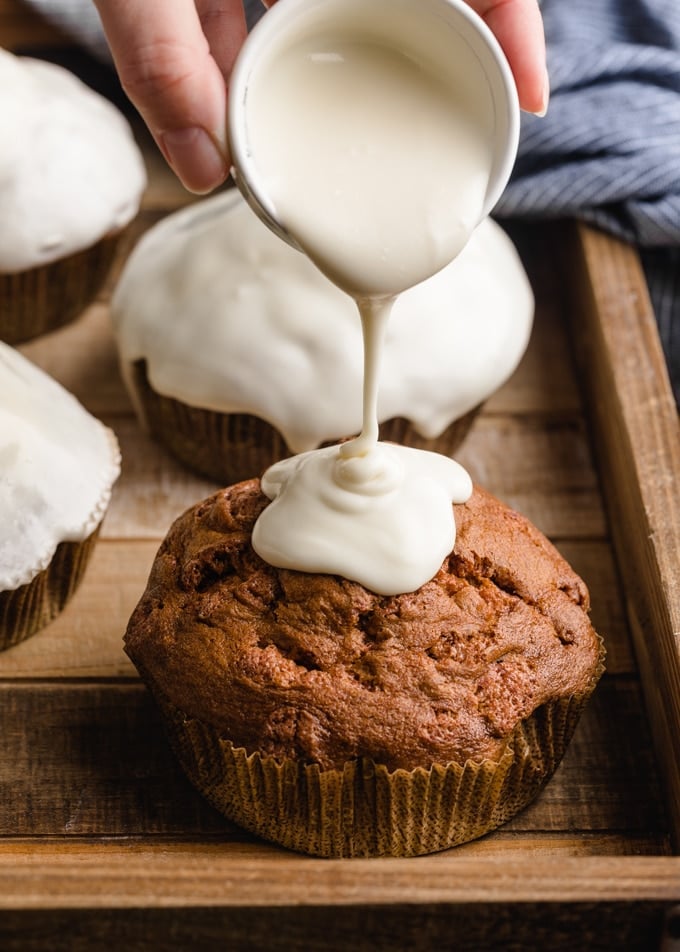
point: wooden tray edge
(636, 440)
(114, 875)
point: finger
(224, 26)
(518, 27)
(166, 68)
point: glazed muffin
(71, 179)
(58, 467)
(237, 351)
(339, 722)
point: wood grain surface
(104, 843)
(637, 439)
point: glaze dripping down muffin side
(274, 365)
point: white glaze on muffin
(70, 170)
(57, 467)
(229, 318)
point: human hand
(174, 59)
(518, 27)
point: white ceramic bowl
(445, 34)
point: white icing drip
(57, 467)
(230, 318)
(389, 525)
(374, 313)
(70, 170)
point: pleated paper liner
(230, 447)
(27, 609)
(364, 809)
(43, 299)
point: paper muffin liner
(364, 809)
(45, 298)
(224, 447)
(27, 609)
(231, 447)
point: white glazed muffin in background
(237, 351)
(58, 465)
(71, 180)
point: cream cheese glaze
(340, 127)
(230, 318)
(383, 518)
(70, 170)
(57, 467)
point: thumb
(167, 70)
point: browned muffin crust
(317, 668)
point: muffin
(71, 179)
(58, 467)
(338, 722)
(237, 351)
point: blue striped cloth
(608, 150)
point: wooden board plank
(544, 382)
(541, 467)
(92, 759)
(637, 435)
(631, 925)
(199, 874)
(504, 842)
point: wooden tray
(103, 841)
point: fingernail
(195, 157)
(545, 99)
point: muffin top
(230, 318)
(70, 170)
(320, 669)
(57, 464)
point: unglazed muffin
(237, 351)
(58, 467)
(339, 722)
(71, 179)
